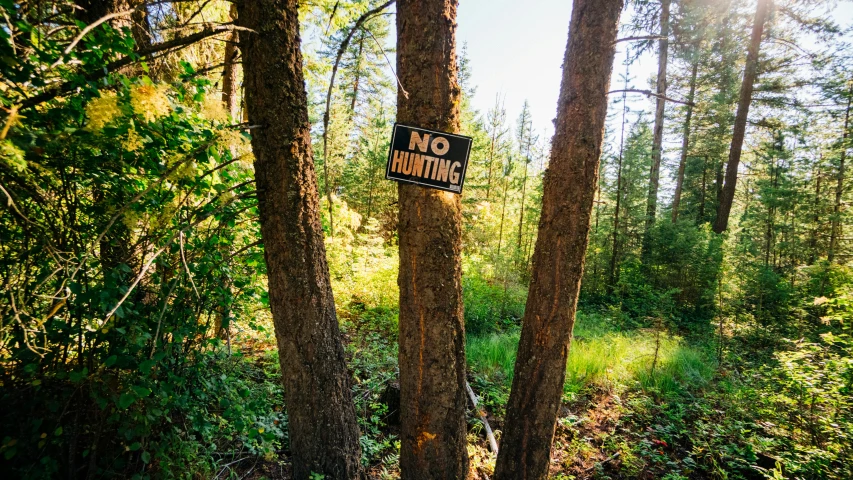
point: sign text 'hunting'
(428, 158)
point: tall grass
(604, 358)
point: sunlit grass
(603, 358)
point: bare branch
(649, 93)
(634, 39)
(363, 18)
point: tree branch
(71, 85)
(649, 93)
(634, 39)
(363, 18)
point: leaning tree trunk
(324, 436)
(750, 73)
(685, 142)
(660, 107)
(558, 260)
(432, 330)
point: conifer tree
(432, 330)
(324, 435)
(558, 258)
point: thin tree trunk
(558, 258)
(771, 211)
(503, 214)
(230, 97)
(614, 251)
(357, 79)
(432, 329)
(750, 74)
(816, 216)
(523, 194)
(660, 107)
(370, 186)
(595, 235)
(685, 142)
(492, 143)
(324, 435)
(835, 232)
(230, 90)
(701, 214)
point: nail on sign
(428, 158)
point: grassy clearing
(603, 358)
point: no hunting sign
(428, 158)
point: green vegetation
(136, 339)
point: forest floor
(637, 404)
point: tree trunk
(750, 74)
(357, 79)
(685, 142)
(558, 259)
(503, 215)
(523, 195)
(700, 216)
(816, 216)
(324, 435)
(492, 144)
(613, 276)
(660, 107)
(835, 231)
(432, 329)
(230, 90)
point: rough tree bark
(685, 142)
(558, 259)
(750, 74)
(660, 107)
(324, 435)
(432, 330)
(230, 87)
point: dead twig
(493, 444)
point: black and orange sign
(428, 158)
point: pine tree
(324, 435)
(432, 331)
(558, 258)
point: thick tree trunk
(432, 330)
(230, 87)
(685, 143)
(558, 259)
(835, 231)
(324, 435)
(660, 107)
(750, 74)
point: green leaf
(58, 431)
(146, 457)
(146, 366)
(141, 392)
(125, 400)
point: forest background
(136, 338)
